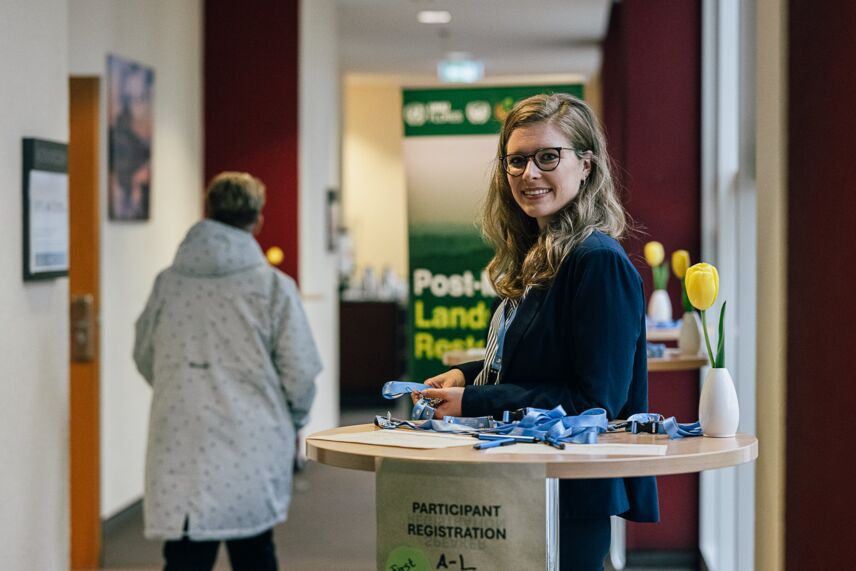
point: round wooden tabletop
(674, 361)
(682, 455)
(660, 334)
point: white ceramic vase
(689, 336)
(718, 409)
(660, 306)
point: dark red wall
(251, 107)
(652, 113)
(821, 314)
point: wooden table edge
(363, 457)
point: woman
(227, 348)
(570, 327)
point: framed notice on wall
(45, 205)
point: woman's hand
(448, 386)
(451, 378)
(451, 405)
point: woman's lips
(535, 193)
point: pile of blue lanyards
(551, 426)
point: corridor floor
(331, 525)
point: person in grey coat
(226, 346)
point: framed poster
(130, 90)
(45, 209)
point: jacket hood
(212, 248)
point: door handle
(82, 328)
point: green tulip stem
(707, 339)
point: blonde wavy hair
(526, 256)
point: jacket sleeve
(295, 355)
(144, 329)
(603, 316)
(470, 370)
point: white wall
(167, 36)
(319, 170)
(33, 316)
(373, 177)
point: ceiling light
(434, 17)
(460, 71)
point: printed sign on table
(461, 517)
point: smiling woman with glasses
(569, 325)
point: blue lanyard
(553, 426)
(422, 410)
(504, 323)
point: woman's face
(540, 194)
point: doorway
(84, 293)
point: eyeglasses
(545, 159)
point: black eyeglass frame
(503, 160)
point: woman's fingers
(434, 393)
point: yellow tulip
(654, 254)
(702, 283)
(680, 263)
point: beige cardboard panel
(460, 516)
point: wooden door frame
(84, 277)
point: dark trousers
(584, 543)
(248, 554)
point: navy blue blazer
(579, 343)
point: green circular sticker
(406, 558)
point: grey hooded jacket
(226, 346)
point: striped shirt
(499, 324)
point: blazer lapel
(526, 312)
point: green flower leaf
(720, 345)
(661, 275)
(710, 356)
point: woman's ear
(257, 227)
(587, 160)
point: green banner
(450, 297)
(471, 111)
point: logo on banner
(478, 112)
(414, 114)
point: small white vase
(660, 306)
(718, 409)
(689, 337)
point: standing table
(682, 456)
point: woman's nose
(531, 170)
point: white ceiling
(511, 37)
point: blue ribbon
(555, 426)
(422, 409)
(395, 389)
(552, 426)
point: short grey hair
(235, 198)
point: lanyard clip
(514, 415)
(649, 427)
